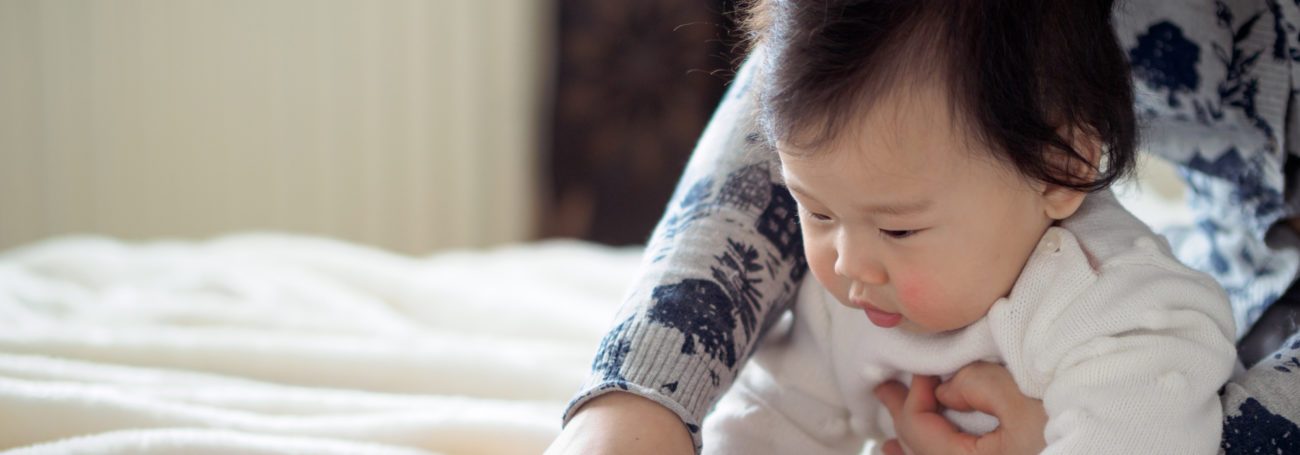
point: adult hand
(980, 386)
(623, 423)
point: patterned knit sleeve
(724, 262)
(1260, 410)
(1214, 94)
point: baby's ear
(1063, 201)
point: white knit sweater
(1125, 346)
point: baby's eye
(898, 234)
(819, 217)
(805, 213)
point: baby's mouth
(878, 316)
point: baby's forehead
(909, 118)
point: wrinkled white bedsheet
(270, 344)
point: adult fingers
(920, 396)
(892, 447)
(989, 388)
(981, 386)
(892, 394)
(917, 420)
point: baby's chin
(908, 326)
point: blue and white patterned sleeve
(1214, 87)
(724, 262)
(1261, 407)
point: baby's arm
(1135, 367)
(1141, 393)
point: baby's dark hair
(1025, 75)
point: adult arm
(724, 261)
(625, 424)
(1214, 95)
(1262, 406)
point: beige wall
(404, 124)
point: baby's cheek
(913, 293)
(931, 305)
(917, 294)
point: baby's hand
(979, 386)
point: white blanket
(266, 343)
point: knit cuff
(657, 370)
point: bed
(266, 343)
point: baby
(951, 161)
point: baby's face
(906, 217)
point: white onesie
(1125, 346)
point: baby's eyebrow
(793, 187)
(900, 208)
(892, 209)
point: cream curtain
(404, 124)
